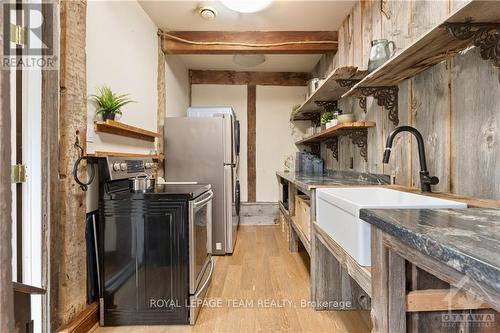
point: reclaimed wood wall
(455, 104)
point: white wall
(122, 52)
(177, 87)
(225, 95)
(275, 138)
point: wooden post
(396, 286)
(68, 254)
(50, 165)
(251, 142)
(162, 106)
(380, 294)
(6, 293)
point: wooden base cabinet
(411, 293)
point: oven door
(200, 235)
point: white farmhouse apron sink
(337, 213)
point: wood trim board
(245, 42)
(84, 321)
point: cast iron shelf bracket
(328, 106)
(314, 117)
(359, 137)
(386, 97)
(349, 83)
(333, 145)
(485, 36)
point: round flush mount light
(207, 13)
(249, 60)
(246, 6)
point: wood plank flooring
(262, 271)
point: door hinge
(18, 34)
(19, 174)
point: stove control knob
(123, 166)
(116, 166)
(148, 165)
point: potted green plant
(109, 104)
(326, 118)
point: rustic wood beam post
(162, 104)
(68, 260)
(251, 141)
(6, 292)
(50, 164)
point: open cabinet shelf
(330, 90)
(339, 130)
(117, 128)
(454, 34)
(118, 154)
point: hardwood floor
(260, 271)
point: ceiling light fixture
(207, 13)
(249, 60)
(246, 6)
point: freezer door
(194, 149)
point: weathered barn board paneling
(68, 258)
(454, 104)
(475, 124)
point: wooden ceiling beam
(249, 42)
(248, 78)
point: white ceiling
(274, 62)
(281, 15)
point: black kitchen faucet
(425, 179)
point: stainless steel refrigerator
(204, 147)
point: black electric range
(153, 257)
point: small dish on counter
(345, 118)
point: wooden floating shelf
(117, 128)
(118, 154)
(430, 49)
(330, 90)
(340, 129)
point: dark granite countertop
(333, 178)
(467, 240)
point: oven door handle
(207, 281)
(205, 200)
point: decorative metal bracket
(333, 145)
(347, 83)
(485, 36)
(316, 149)
(315, 117)
(359, 137)
(386, 97)
(328, 106)
(362, 103)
